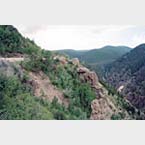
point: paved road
(13, 59)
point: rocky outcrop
(100, 107)
(75, 61)
(103, 106)
(63, 60)
(88, 76)
(101, 110)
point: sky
(83, 37)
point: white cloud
(83, 37)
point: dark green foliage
(11, 41)
(84, 96)
(17, 101)
(38, 62)
(67, 79)
(79, 94)
(104, 55)
(60, 112)
(118, 116)
(98, 56)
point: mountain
(11, 41)
(95, 59)
(127, 75)
(103, 55)
(41, 85)
(72, 53)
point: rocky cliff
(104, 106)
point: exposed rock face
(43, 87)
(102, 107)
(82, 69)
(88, 76)
(100, 110)
(75, 61)
(63, 60)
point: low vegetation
(64, 77)
(18, 102)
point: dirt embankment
(44, 88)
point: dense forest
(11, 41)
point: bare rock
(63, 60)
(88, 76)
(100, 110)
(75, 61)
(81, 70)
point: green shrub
(11, 41)
(16, 102)
(118, 116)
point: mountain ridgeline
(127, 75)
(97, 56)
(95, 59)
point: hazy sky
(54, 37)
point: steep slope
(16, 98)
(104, 106)
(127, 76)
(39, 84)
(105, 55)
(11, 41)
(44, 88)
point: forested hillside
(95, 59)
(39, 84)
(11, 41)
(127, 75)
(98, 56)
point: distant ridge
(102, 55)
